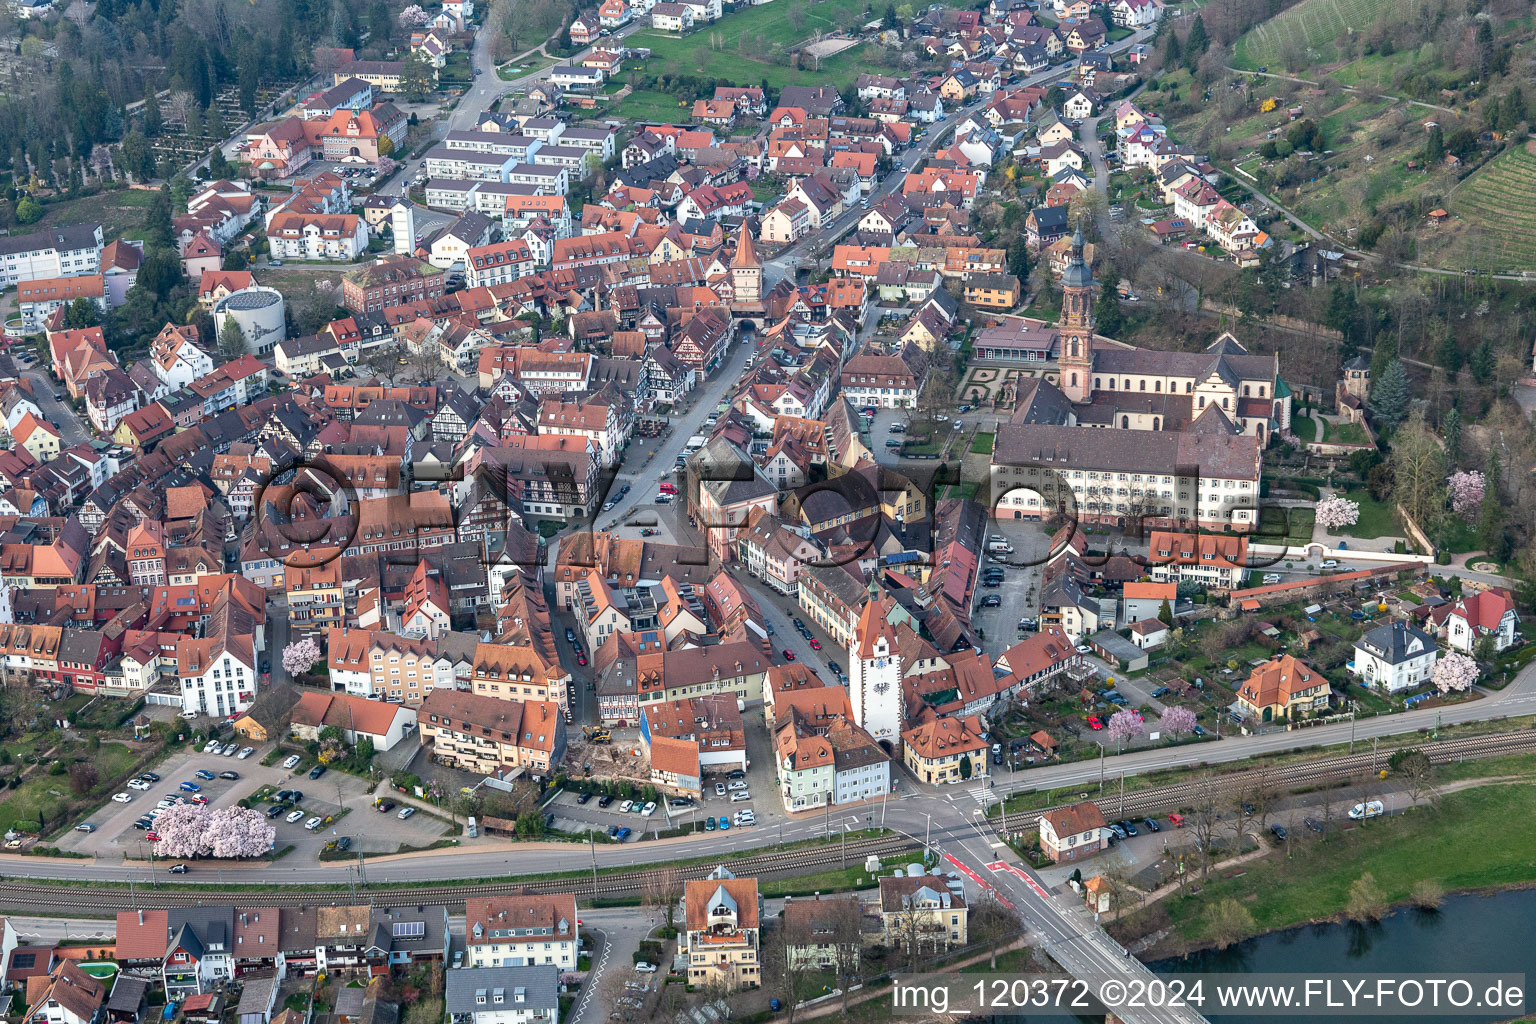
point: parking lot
(577, 814)
(1018, 595)
(327, 797)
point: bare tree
(787, 961)
(848, 947)
(661, 890)
(1205, 819)
(1418, 775)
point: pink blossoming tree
(1126, 725)
(1178, 722)
(1466, 488)
(1455, 673)
(1335, 512)
(300, 656)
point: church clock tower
(1076, 358)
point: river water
(1492, 933)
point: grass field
(1304, 33)
(119, 213)
(644, 105)
(1376, 518)
(1497, 210)
(1448, 845)
(738, 48)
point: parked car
(1151, 825)
(582, 798)
(291, 762)
(138, 784)
(1160, 691)
(204, 773)
(1130, 829)
(1278, 831)
(740, 796)
(626, 806)
(680, 801)
(1313, 824)
(313, 823)
(85, 826)
(246, 752)
(317, 771)
(725, 823)
(1116, 828)
(344, 843)
(604, 800)
(789, 655)
(709, 824)
(149, 777)
(623, 834)
(229, 775)
(1329, 563)
(719, 789)
(1094, 723)
(735, 773)
(644, 968)
(152, 836)
(1369, 809)
(274, 810)
(191, 787)
(294, 815)
(405, 812)
(1176, 820)
(648, 810)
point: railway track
(1283, 778)
(33, 895)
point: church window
(1143, 384)
(1074, 380)
(1127, 383)
(1125, 422)
(1188, 387)
(1157, 385)
(1224, 404)
(1261, 390)
(1074, 348)
(1111, 383)
(1097, 383)
(1245, 391)
(1202, 401)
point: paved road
(60, 414)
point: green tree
(417, 77)
(891, 21)
(29, 211)
(135, 156)
(236, 259)
(1195, 44)
(153, 122)
(1382, 355)
(231, 339)
(1343, 315)
(1107, 317)
(1018, 259)
(1450, 431)
(965, 766)
(82, 313)
(1434, 146)
(159, 228)
(1490, 515)
(1483, 362)
(1389, 395)
(1165, 613)
(1448, 355)
(1173, 54)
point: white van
(1360, 812)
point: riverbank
(1466, 844)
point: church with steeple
(1203, 419)
(1107, 383)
